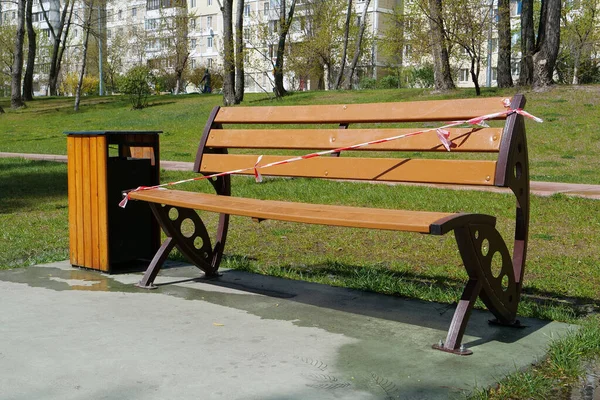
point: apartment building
(151, 32)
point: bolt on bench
(478, 240)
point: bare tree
(470, 21)
(31, 53)
(579, 33)
(441, 58)
(338, 81)
(239, 53)
(504, 50)
(16, 99)
(357, 49)
(317, 56)
(548, 43)
(228, 54)
(59, 41)
(285, 21)
(180, 48)
(87, 27)
(527, 43)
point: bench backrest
(327, 127)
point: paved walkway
(537, 188)
(69, 333)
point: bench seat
(357, 217)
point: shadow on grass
(24, 184)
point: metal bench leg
(161, 255)
(460, 320)
(491, 277)
(195, 245)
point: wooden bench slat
(360, 217)
(466, 139)
(464, 172)
(440, 110)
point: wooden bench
(477, 238)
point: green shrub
(136, 84)
(367, 83)
(389, 82)
(165, 82)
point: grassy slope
(564, 149)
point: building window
(209, 21)
(463, 75)
(209, 42)
(152, 4)
(209, 62)
(151, 24)
(193, 43)
(193, 63)
(266, 8)
(209, 2)
(247, 10)
(192, 23)
(494, 74)
(192, 3)
(246, 34)
(134, 12)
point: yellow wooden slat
(87, 202)
(466, 140)
(79, 191)
(95, 242)
(101, 159)
(436, 110)
(464, 172)
(71, 146)
(360, 217)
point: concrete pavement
(69, 333)
(537, 188)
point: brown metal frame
(501, 293)
(479, 242)
(206, 257)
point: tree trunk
(548, 42)
(361, 32)
(59, 43)
(284, 27)
(16, 100)
(441, 60)
(239, 53)
(576, 62)
(228, 56)
(338, 81)
(475, 69)
(31, 52)
(86, 28)
(504, 51)
(527, 44)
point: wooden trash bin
(101, 165)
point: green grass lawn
(562, 278)
(563, 149)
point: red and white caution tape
(442, 133)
